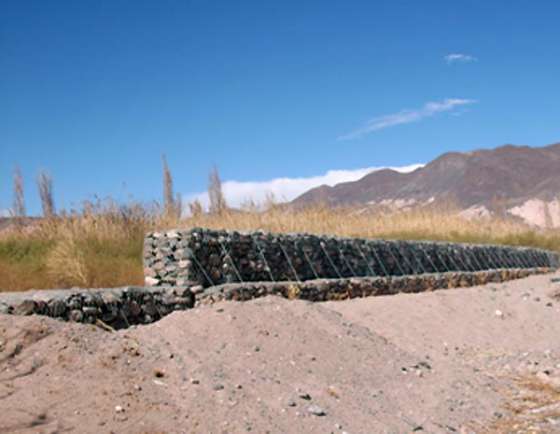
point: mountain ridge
(522, 181)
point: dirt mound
(435, 362)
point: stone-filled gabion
(123, 307)
(116, 307)
(208, 257)
(346, 288)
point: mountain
(519, 180)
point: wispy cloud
(406, 116)
(285, 189)
(459, 58)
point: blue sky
(96, 91)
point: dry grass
(100, 246)
(443, 224)
(534, 409)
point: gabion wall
(122, 307)
(115, 307)
(343, 289)
(208, 258)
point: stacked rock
(202, 257)
(116, 307)
(346, 288)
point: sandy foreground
(482, 359)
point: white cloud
(459, 58)
(406, 116)
(5, 212)
(285, 189)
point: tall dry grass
(101, 245)
(436, 223)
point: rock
(57, 307)
(119, 409)
(76, 315)
(184, 263)
(316, 410)
(26, 307)
(89, 311)
(305, 396)
(218, 387)
(151, 281)
(172, 234)
(197, 289)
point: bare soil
(482, 359)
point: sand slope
(432, 362)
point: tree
(215, 193)
(45, 186)
(18, 209)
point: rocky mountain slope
(519, 180)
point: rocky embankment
(210, 257)
(115, 307)
(122, 307)
(483, 360)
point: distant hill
(518, 180)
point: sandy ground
(483, 359)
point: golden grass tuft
(101, 245)
(534, 409)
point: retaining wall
(123, 307)
(185, 268)
(208, 258)
(346, 288)
(116, 307)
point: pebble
(218, 387)
(119, 409)
(316, 410)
